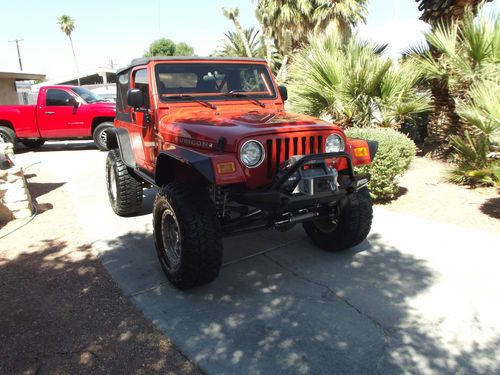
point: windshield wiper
(190, 97)
(241, 94)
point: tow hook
(361, 183)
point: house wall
(8, 93)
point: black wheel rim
(171, 238)
(112, 186)
(328, 225)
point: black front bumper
(274, 199)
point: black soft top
(145, 60)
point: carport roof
(21, 76)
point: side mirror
(283, 92)
(135, 98)
(72, 101)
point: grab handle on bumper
(308, 158)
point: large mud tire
(124, 190)
(352, 227)
(187, 235)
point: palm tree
(458, 53)
(349, 82)
(434, 11)
(443, 115)
(305, 18)
(67, 25)
(233, 14)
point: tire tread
(201, 257)
(354, 224)
(129, 189)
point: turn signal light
(360, 152)
(228, 167)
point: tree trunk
(243, 37)
(443, 120)
(281, 76)
(268, 44)
(74, 58)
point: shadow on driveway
(295, 308)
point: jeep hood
(210, 126)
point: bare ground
(425, 192)
(60, 311)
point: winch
(312, 178)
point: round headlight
(252, 153)
(334, 143)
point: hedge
(394, 155)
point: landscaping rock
(15, 199)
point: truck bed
(23, 117)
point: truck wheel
(33, 143)
(7, 135)
(187, 235)
(100, 135)
(352, 227)
(124, 190)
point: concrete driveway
(416, 297)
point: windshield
(87, 95)
(210, 81)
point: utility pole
(18, 52)
(111, 64)
(159, 19)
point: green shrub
(394, 155)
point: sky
(120, 30)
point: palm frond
(348, 81)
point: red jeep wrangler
(214, 137)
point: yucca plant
(477, 151)
(233, 45)
(351, 83)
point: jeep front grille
(279, 150)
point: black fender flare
(372, 147)
(120, 139)
(167, 159)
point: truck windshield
(87, 95)
(213, 81)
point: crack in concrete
(277, 247)
(333, 293)
(142, 291)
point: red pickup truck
(61, 112)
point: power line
(18, 52)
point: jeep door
(141, 129)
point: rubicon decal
(195, 142)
